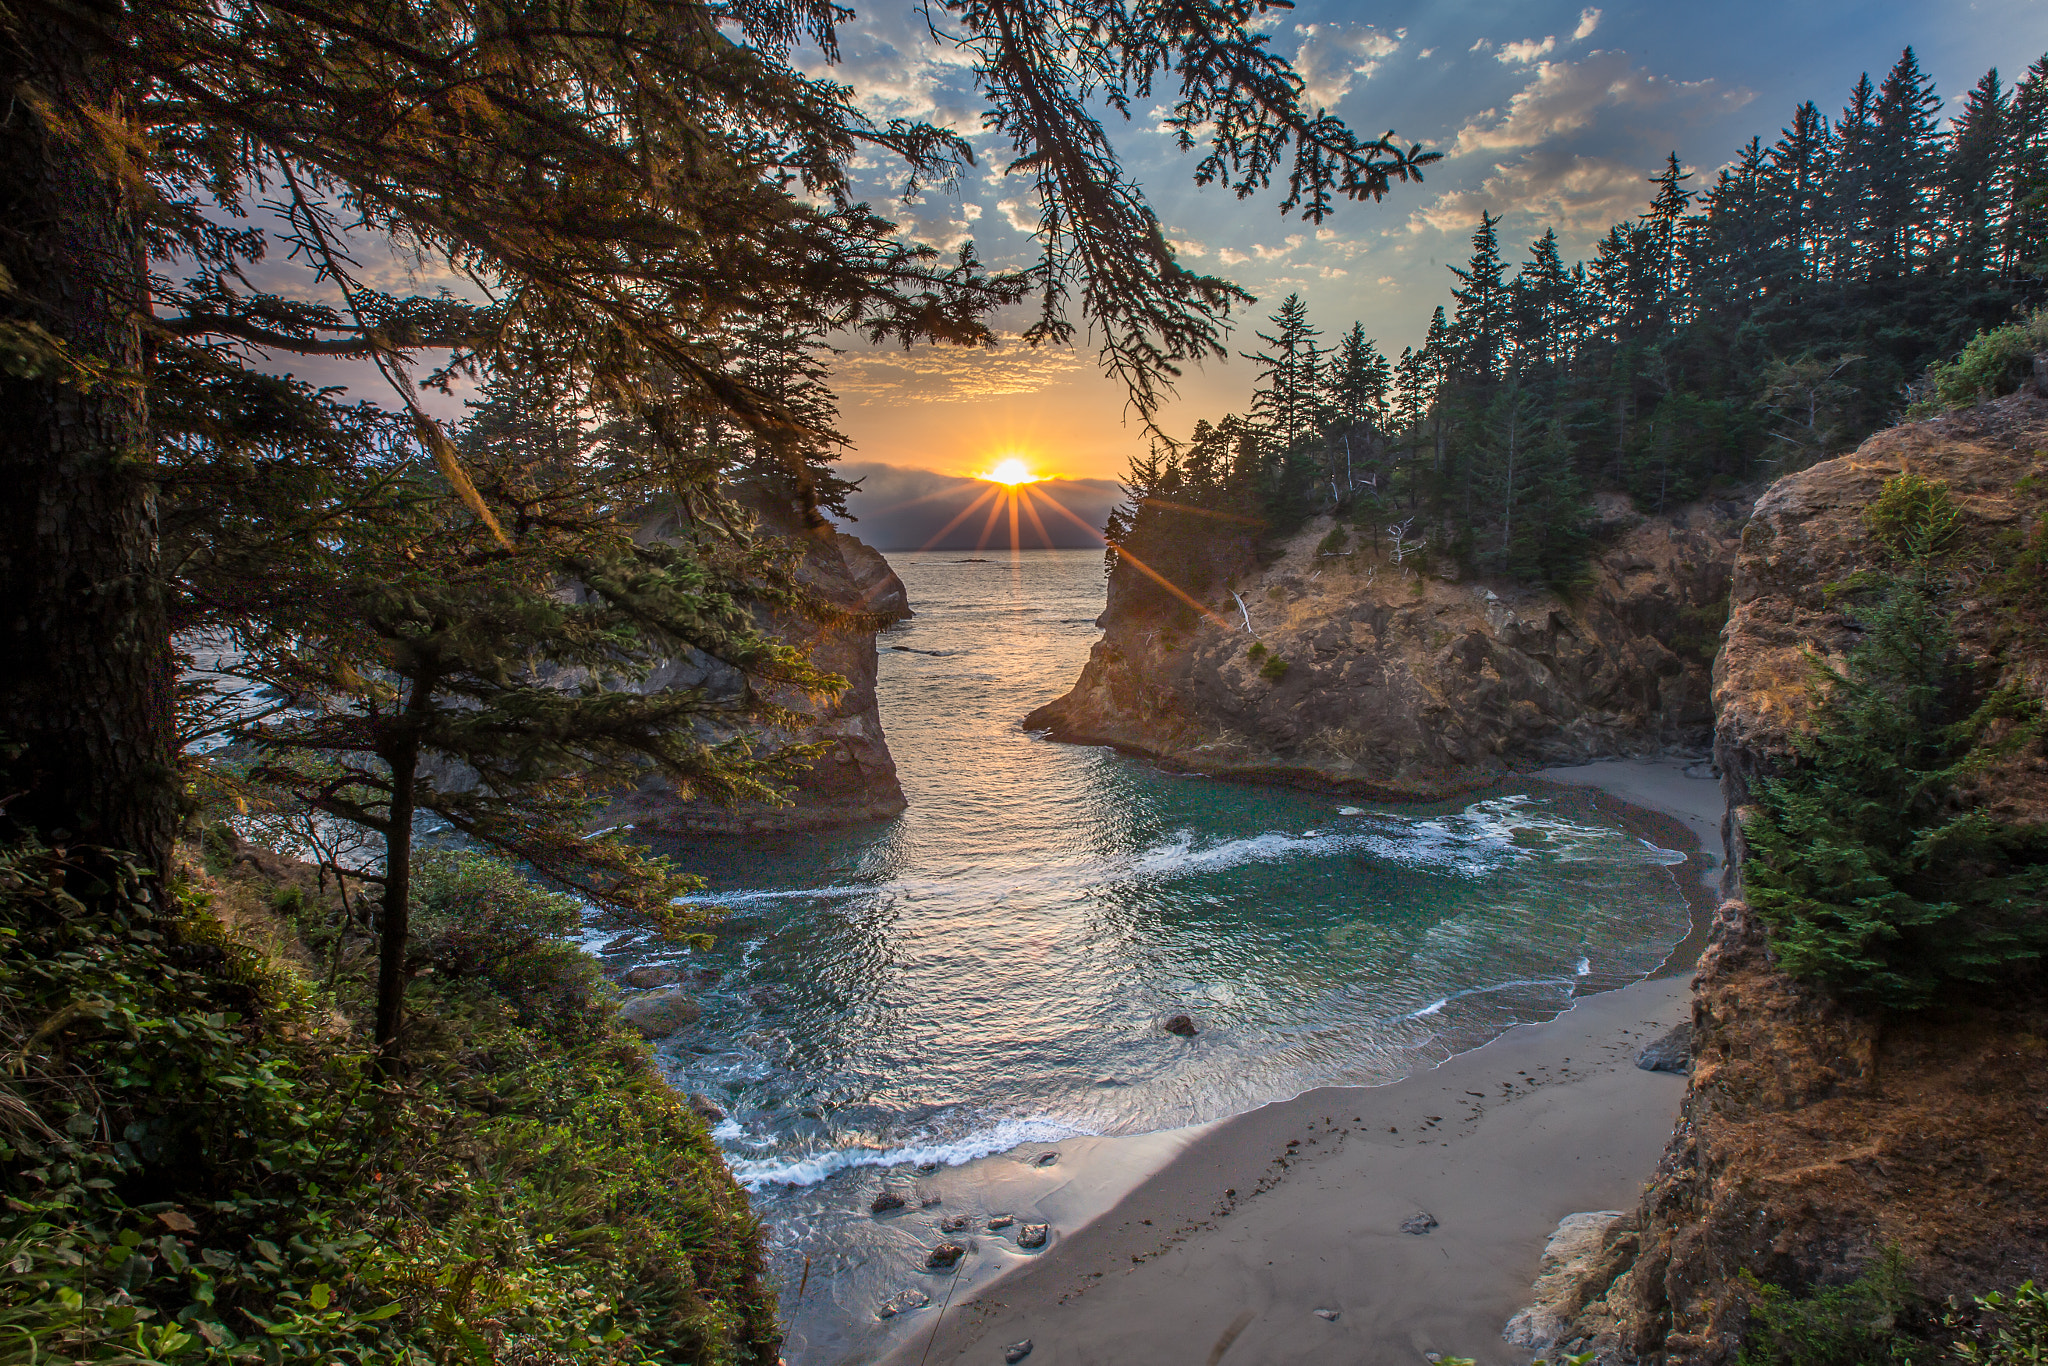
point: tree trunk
(397, 921)
(86, 747)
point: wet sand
(1227, 1251)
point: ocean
(992, 971)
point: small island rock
(661, 1013)
(1031, 1235)
(1183, 1025)
(944, 1257)
(651, 975)
(886, 1201)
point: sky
(1552, 114)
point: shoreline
(1496, 1144)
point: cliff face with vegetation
(1817, 1136)
(855, 778)
(1370, 676)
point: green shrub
(1275, 668)
(1995, 362)
(1334, 543)
(1916, 520)
(2012, 1331)
(1256, 652)
(1858, 1324)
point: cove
(992, 971)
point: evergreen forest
(1743, 326)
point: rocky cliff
(855, 780)
(1337, 667)
(1815, 1136)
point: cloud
(1565, 97)
(1589, 19)
(1331, 272)
(1275, 253)
(1567, 190)
(900, 508)
(951, 374)
(1019, 215)
(1231, 256)
(1526, 51)
(1331, 55)
(1326, 234)
(1187, 246)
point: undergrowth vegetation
(199, 1165)
(1878, 1320)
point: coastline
(1228, 1238)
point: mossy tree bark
(86, 729)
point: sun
(1011, 471)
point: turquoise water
(993, 967)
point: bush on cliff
(1878, 874)
(198, 1168)
(1994, 362)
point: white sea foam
(811, 1168)
(1477, 842)
(1436, 1006)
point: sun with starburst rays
(1011, 470)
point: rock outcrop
(855, 779)
(1374, 679)
(1815, 1136)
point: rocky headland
(855, 779)
(1338, 668)
(1817, 1137)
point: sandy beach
(1278, 1236)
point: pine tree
(422, 657)
(1801, 163)
(1978, 178)
(2023, 237)
(1850, 212)
(1290, 375)
(1484, 318)
(1907, 153)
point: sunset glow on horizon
(1011, 470)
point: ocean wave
(1583, 968)
(1477, 842)
(811, 1168)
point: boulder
(953, 1223)
(1183, 1025)
(1672, 1052)
(1570, 1266)
(649, 975)
(1031, 1235)
(1016, 1352)
(944, 1257)
(1418, 1223)
(888, 1200)
(659, 1014)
